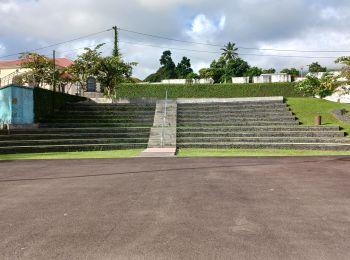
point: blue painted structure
(16, 105)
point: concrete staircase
(251, 124)
(85, 127)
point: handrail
(8, 78)
(164, 119)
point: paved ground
(176, 208)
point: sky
(303, 25)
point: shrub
(206, 90)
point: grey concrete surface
(226, 100)
(176, 208)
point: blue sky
(297, 24)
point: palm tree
(229, 51)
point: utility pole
(54, 70)
(116, 47)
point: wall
(17, 106)
(5, 106)
(240, 80)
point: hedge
(206, 90)
(46, 102)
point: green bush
(207, 90)
(46, 102)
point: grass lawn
(73, 155)
(255, 152)
(307, 108)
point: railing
(164, 119)
(7, 80)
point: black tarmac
(176, 208)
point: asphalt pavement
(176, 208)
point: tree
(166, 71)
(218, 70)
(315, 67)
(229, 52)
(345, 73)
(293, 72)
(192, 75)
(40, 69)
(86, 65)
(313, 86)
(253, 72)
(113, 71)
(206, 73)
(109, 71)
(168, 66)
(234, 68)
(183, 69)
(269, 71)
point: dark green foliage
(183, 68)
(207, 90)
(166, 71)
(253, 72)
(46, 102)
(293, 72)
(269, 71)
(229, 52)
(192, 75)
(316, 67)
(235, 68)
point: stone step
(106, 113)
(80, 130)
(241, 123)
(262, 134)
(232, 104)
(96, 105)
(257, 128)
(107, 108)
(70, 148)
(235, 113)
(239, 109)
(99, 121)
(236, 119)
(261, 140)
(92, 117)
(93, 125)
(72, 141)
(209, 117)
(45, 136)
(305, 146)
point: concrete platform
(158, 152)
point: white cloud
(2, 49)
(8, 7)
(204, 28)
(283, 24)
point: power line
(243, 54)
(57, 44)
(239, 47)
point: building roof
(60, 62)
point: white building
(273, 78)
(240, 80)
(264, 78)
(203, 81)
(177, 81)
(281, 77)
(187, 81)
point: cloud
(202, 28)
(284, 24)
(7, 6)
(2, 49)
